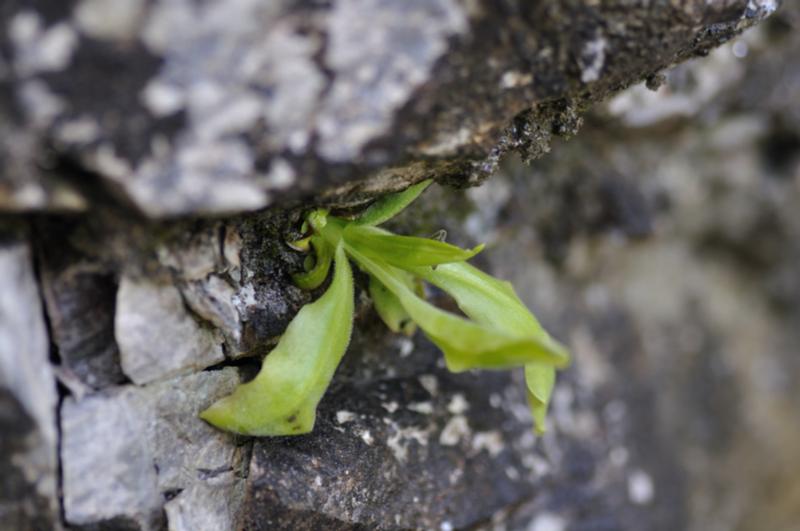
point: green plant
(498, 332)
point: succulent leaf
(466, 344)
(494, 302)
(405, 252)
(283, 397)
(390, 205)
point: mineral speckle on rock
(342, 471)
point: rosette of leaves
(496, 330)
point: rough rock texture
(28, 396)
(419, 451)
(660, 244)
(224, 108)
(127, 450)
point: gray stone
(156, 335)
(79, 298)
(107, 462)
(28, 398)
(213, 299)
(127, 450)
(664, 255)
(428, 451)
(220, 110)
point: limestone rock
(28, 399)
(156, 335)
(127, 451)
(220, 110)
(429, 451)
(80, 297)
(109, 474)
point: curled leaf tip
(301, 245)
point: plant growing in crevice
(497, 331)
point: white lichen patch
(405, 345)
(398, 442)
(495, 400)
(82, 130)
(458, 404)
(430, 383)
(762, 8)
(425, 408)
(344, 416)
(108, 19)
(538, 466)
(592, 59)
(447, 142)
(110, 164)
(38, 49)
(456, 430)
(374, 77)
(391, 407)
(515, 78)
(641, 489)
(548, 522)
(40, 103)
(491, 441)
(163, 99)
(281, 175)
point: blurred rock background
(661, 243)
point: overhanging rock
(218, 108)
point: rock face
(28, 398)
(215, 109)
(143, 275)
(127, 450)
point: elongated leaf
(316, 276)
(540, 380)
(283, 398)
(493, 302)
(489, 301)
(389, 308)
(389, 206)
(405, 252)
(466, 344)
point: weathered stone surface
(126, 451)
(28, 398)
(428, 451)
(224, 109)
(156, 335)
(80, 298)
(109, 474)
(661, 245)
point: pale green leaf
(283, 398)
(493, 302)
(390, 205)
(316, 276)
(388, 307)
(540, 380)
(466, 344)
(404, 252)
